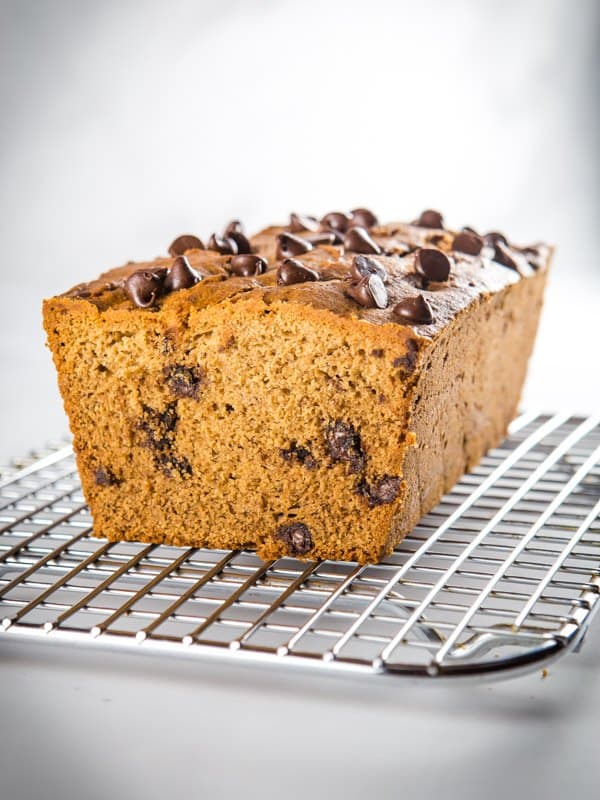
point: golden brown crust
(242, 413)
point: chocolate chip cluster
(351, 231)
(145, 286)
(232, 242)
(366, 282)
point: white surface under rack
(500, 578)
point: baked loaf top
(419, 274)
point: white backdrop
(123, 124)
(126, 123)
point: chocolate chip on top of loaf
(310, 390)
(417, 263)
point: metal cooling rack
(503, 576)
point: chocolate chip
(297, 538)
(430, 219)
(494, 237)
(288, 244)
(158, 429)
(184, 381)
(242, 243)
(145, 286)
(299, 453)
(183, 243)
(292, 271)
(235, 232)
(358, 240)
(532, 255)
(378, 352)
(105, 477)
(336, 221)
(302, 222)
(432, 264)
(363, 266)
(408, 361)
(224, 245)
(235, 226)
(169, 462)
(322, 237)
(467, 242)
(531, 250)
(363, 218)
(534, 263)
(381, 492)
(503, 255)
(247, 264)
(344, 444)
(158, 426)
(414, 310)
(181, 275)
(338, 236)
(369, 291)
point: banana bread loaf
(311, 391)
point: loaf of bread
(311, 391)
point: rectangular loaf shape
(314, 407)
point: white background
(123, 124)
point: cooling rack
(501, 577)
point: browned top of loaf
(471, 276)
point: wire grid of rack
(501, 577)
